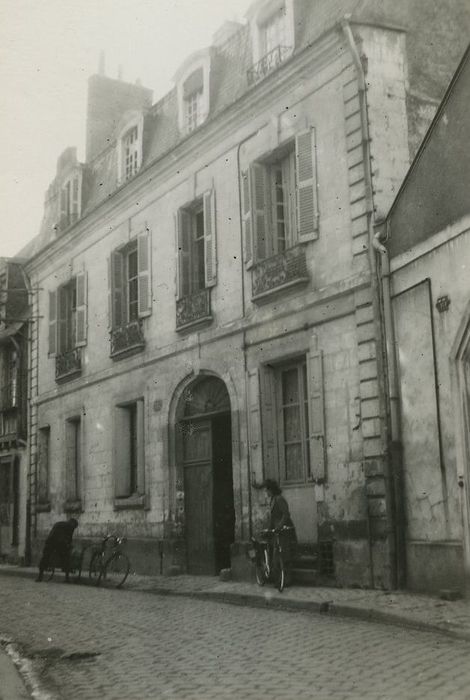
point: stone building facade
(207, 297)
(427, 236)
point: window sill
(131, 502)
(73, 507)
(44, 507)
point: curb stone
(329, 608)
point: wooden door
(198, 490)
(9, 494)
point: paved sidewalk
(400, 608)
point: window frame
(129, 454)
(73, 463)
(118, 281)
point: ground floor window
(293, 421)
(73, 434)
(129, 449)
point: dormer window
(193, 91)
(129, 144)
(273, 36)
(70, 200)
(130, 150)
(273, 31)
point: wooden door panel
(199, 520)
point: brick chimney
(108, 100)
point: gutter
(390, 461)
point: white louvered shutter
(316, 413)
(81, 320)
(307, 194)
(210, 239)
(53, 322)
(254, 426)
(259, 205)
(116, 290)
(144, 273)
(268, 423)
(247, 221)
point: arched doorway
(204, 454)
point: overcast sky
(48, 49)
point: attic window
(130, 152)
(193, 91)
(193, 99)
(273, 36)
(273, 31)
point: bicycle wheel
(116, 570)
(95, 570)
(262, 568)
(279, 574)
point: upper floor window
(193, 90)
(279, 198)
(197, 260)
(129, 144)
(70, 201)
(68, 315)
(130, 152)
(272, 32)
(129, 281)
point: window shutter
(81, 320)
(254, 426)
(184, 249)
(144, 272)
(62, 298)
(122, 452)
(316, 414)
(53, 322)
(75, 198)
(259, 204)
(64, 208)
(268, 423)
(307, 196)
(210, 240)
(116, 290)
(247, 219)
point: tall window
(130, 152)
(73, 459)
(129, 282)
(70, 201)
(67, 298)
(129, 449)
(293, 421)
(68, 315)
(193, 110)
(279, 199)
(273, 31)
(196, 246)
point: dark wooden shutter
(144, 272)
(259, 203)
(307, 195)
(254, 426)
(247, 218)
(122, 452)
(53, 322)
(81, 321)
(210, 241)
(184, 252)
(316, 413)
(268, 423)
(116, 290)
(62, 330)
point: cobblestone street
(88, 643)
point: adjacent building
(427, 236)
(206, 301)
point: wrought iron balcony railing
(280, 272)
(268, 64)
(127, 339)
(193, 309)
(68, 364)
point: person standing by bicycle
(58, 544)
(280, 518)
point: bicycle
(267, 555)
(108, 563)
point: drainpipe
(375, 286)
